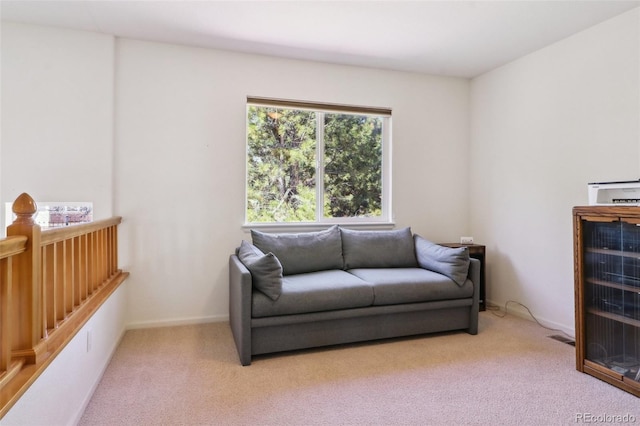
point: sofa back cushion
(378, 249)
(303, 252)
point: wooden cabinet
(607, 294)
(476, 251)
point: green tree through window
(353, 166)
(313, 165)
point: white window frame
(382, 221)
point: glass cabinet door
(612, 296)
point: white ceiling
(457, 38)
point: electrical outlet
(466, 240)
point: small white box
(466, 240)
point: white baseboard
(176, 322)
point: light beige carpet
(510, 373)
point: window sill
(304, 227)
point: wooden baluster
(75, 269)
(107, 253)
(54, 295)
(111, 234)
(92, 262)
(95, 260)
(103, 255)
(48, 289)
(27, 286)
(115, 250)
(59, 282)
(83, 268)
(5, 314)
(69, 277)
(100, 257)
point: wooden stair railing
(9, 247)
(51, 283)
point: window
(316, 163)
(56, 214)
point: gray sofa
(295, 291)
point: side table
(476, 251)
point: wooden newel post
(27, 284)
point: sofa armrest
(240, 293)
(474, 276)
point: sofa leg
(473, 325)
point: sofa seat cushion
(314, 292)
(410, 285)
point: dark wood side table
(476, 251)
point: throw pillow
(378, 249)
(266, 271)
(451, 262)
(303, 252)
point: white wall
(57, 145)
(60, 395)
(542, 127)
(180, 161)
(57, 116)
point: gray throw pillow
(378, 249)
(303, 252)
(448, 261)
(266, 271)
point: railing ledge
(11, 246)
(54, 235)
